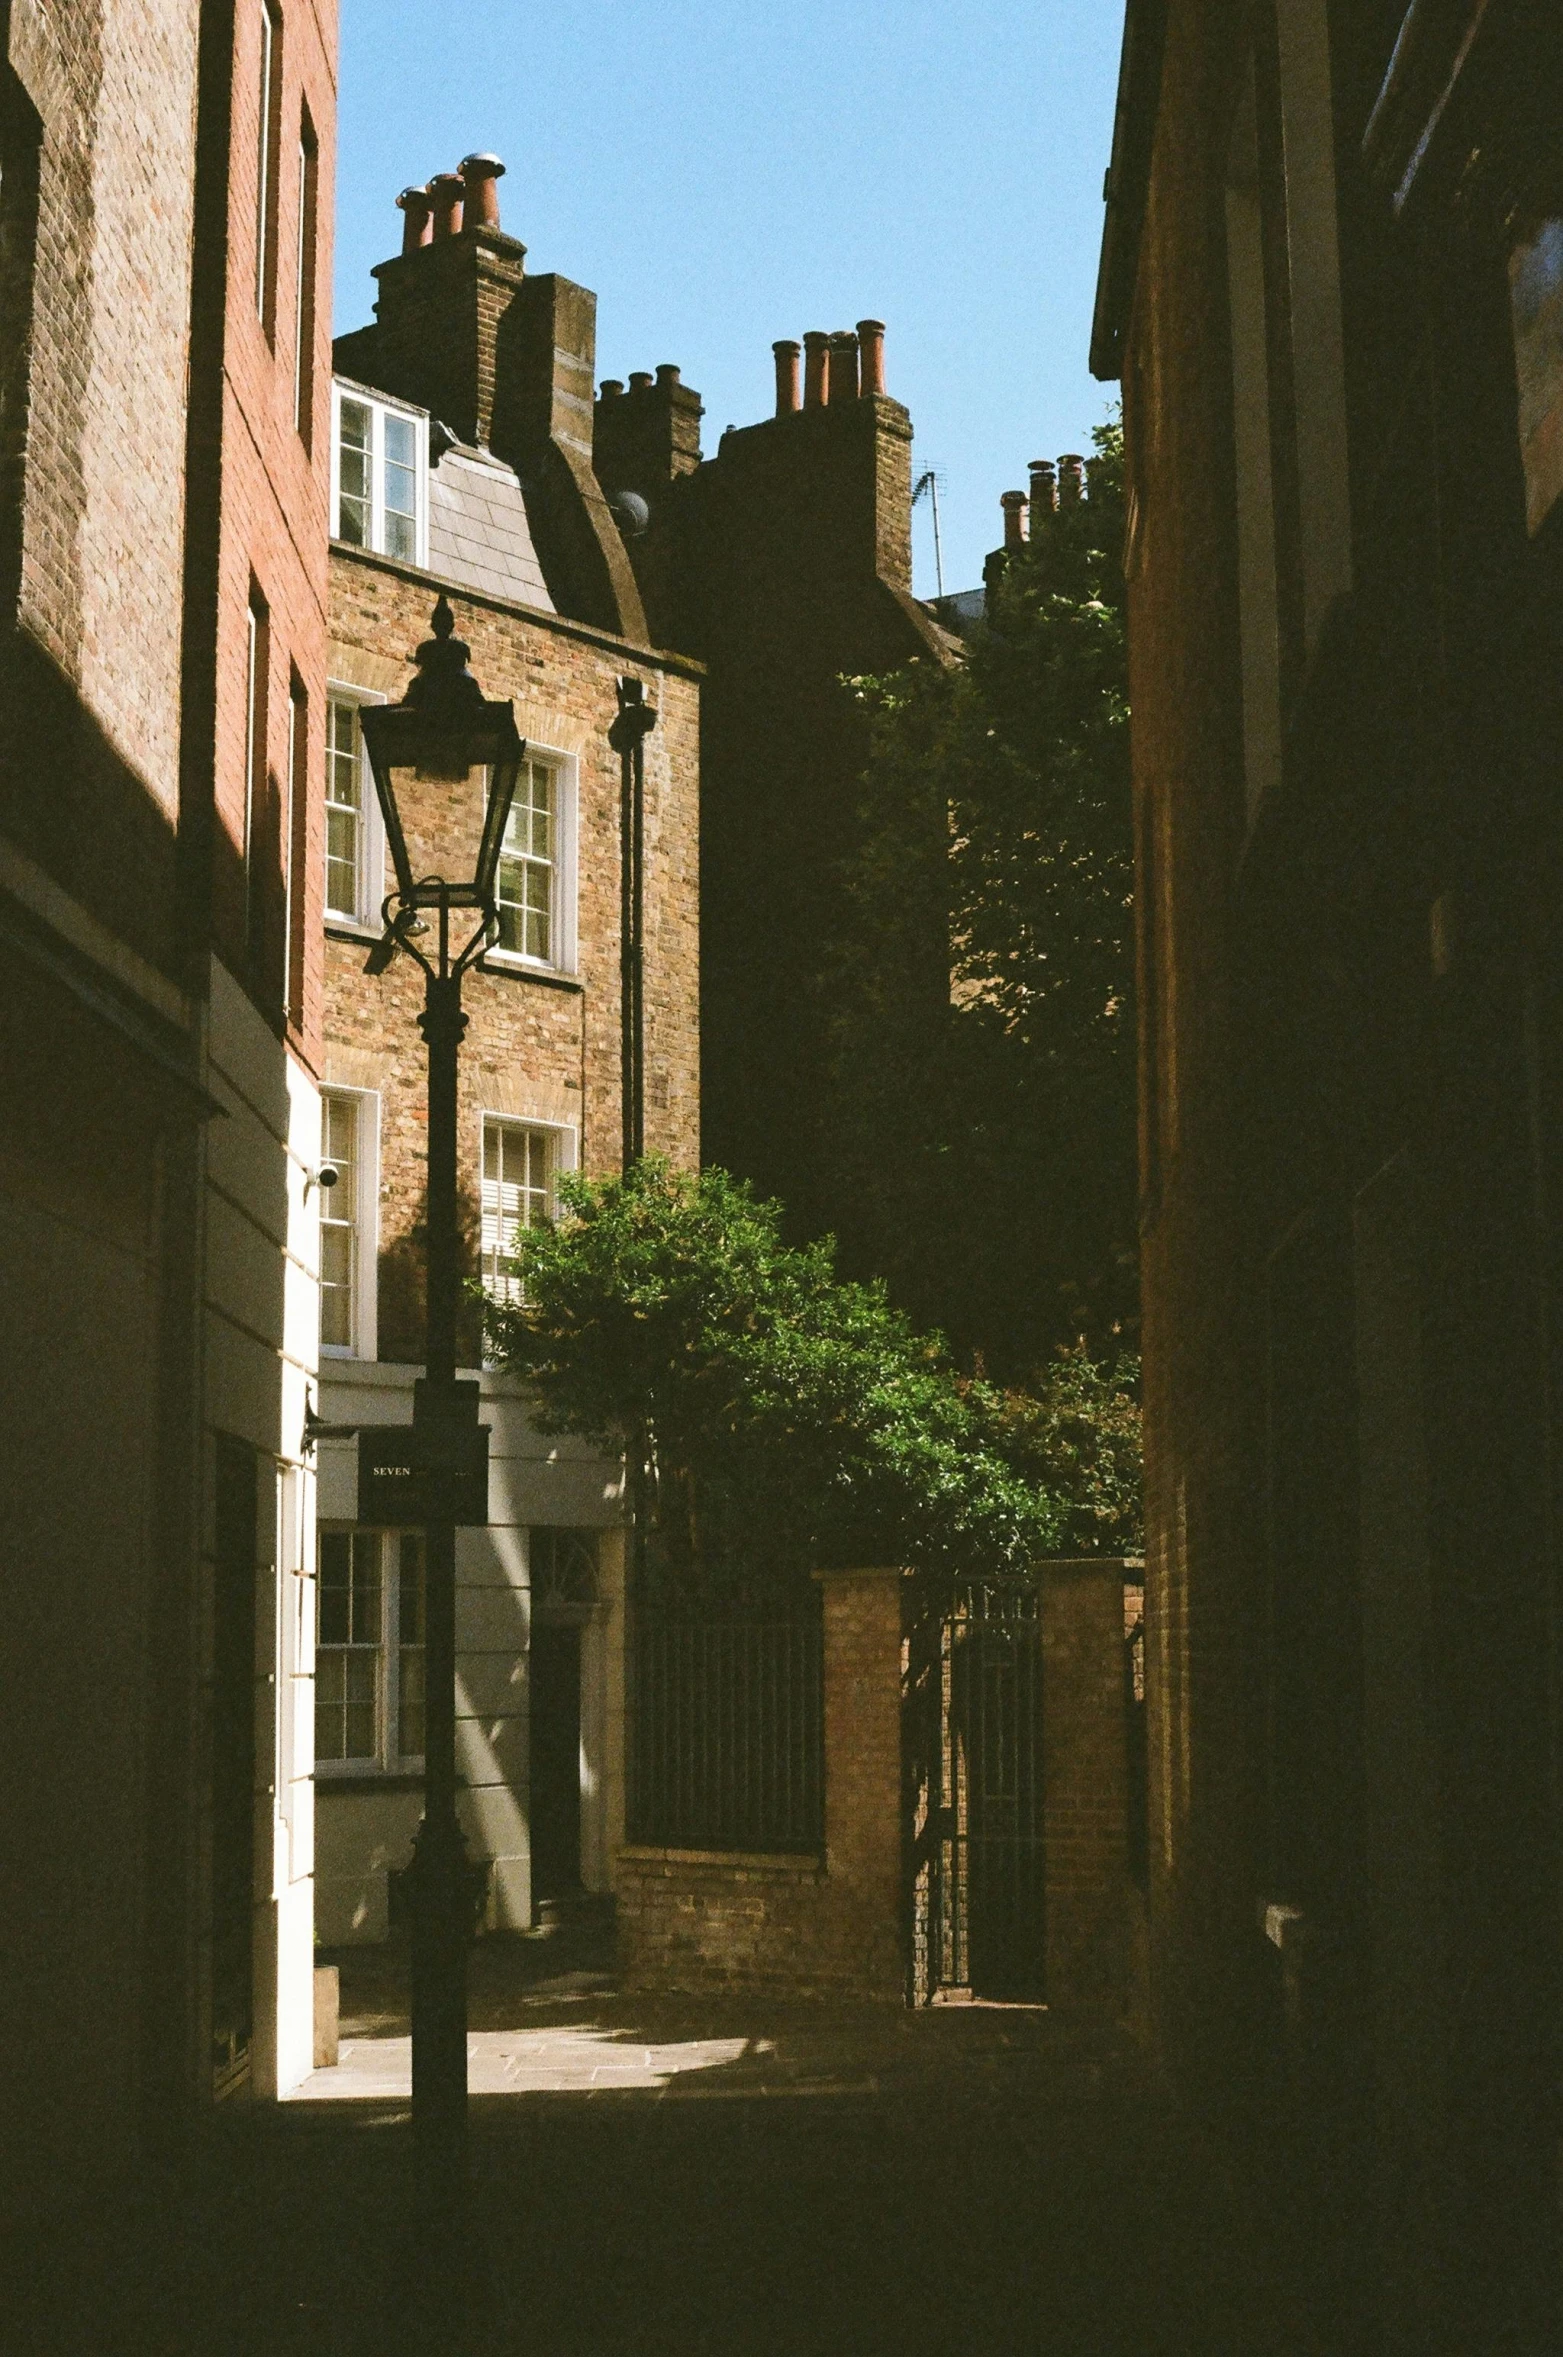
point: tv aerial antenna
(932, 481)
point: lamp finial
(444, 684)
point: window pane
(349, 1646)
(525, 886)
(334, 1560)
(354, 466)
(401, 488)
(339, 1224)
(517, 1193)
(344, 809)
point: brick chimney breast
(871, 346)
(447, 191)
(417, 218)
(480, 177)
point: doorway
(974, 1764)
(556, 1760)
(563, 1565)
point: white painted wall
(365, 1827)
(261, 1323)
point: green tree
(984, 1057)
(775, 1418)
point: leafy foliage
(771, 1411)
(984, 1075)
(1076, 1432)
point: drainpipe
(628, 736)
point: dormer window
(380, 475)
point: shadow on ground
(970, 2182)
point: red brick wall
(273, 533)
(92, 496)
(556, 1042)
(1202, 1387)
(1085, 1784)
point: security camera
(326, 1176)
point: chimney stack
(1014, 505)
(843, 366)
(871, 346)
(480, 176)
(417, 218)
(1071, 479)
(787, 394)
(816, 369)
(1044, 488)
(446, 191)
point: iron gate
(974, 1763)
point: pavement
(653, 2176)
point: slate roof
(478, 532)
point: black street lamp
(445, 735)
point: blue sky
(723, 173)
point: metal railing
(727, 1728)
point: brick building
(1331, 285)
(461, 434)
(784, 563)
(164, 189)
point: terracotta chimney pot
(787, 393)
(871, 345)
(843, 366)
(1014, 505)
(417, 221)
(1044, 488)
(668, 372)
(610, 389)
(446, 192)
(1071, 479)
(481, 175)
(640, 378)
(816, 369)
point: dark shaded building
(1332, 285)
(785, 564)
(165, 179)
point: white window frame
(343, 388)
(366, 1211)
(387, 1759)
(565, 1150)
(566, 774)
(269, 96)
(371, 835)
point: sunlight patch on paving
(583, 2061)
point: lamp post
(443, 737)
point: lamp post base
(439, 1887)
